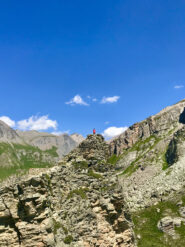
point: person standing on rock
(94, 131)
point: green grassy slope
(145, 225)
(17, 159)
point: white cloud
(178, 86)
(107, 122)
(37, 123)
(92, 98)
(8, 121)
(112, 99)
(58, 133)
(77, 100)
(113, 131)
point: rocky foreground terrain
(77, 203)
(129, 192)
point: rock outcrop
(77, 138)
(168, 120)
(168, 225)
(93, 149)
(151, 158)
(74, 204)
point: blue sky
(52, 51)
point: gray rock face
(77, 138)
(151, 158)
(7, 134)
(165, 121)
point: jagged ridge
(96, 198)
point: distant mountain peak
(7, 134)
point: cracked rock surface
(74, 204)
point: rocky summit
(127, 192)
(93, 149)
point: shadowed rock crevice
(176, 147)
(182, 117)
(171, 153)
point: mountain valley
(23, 150)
